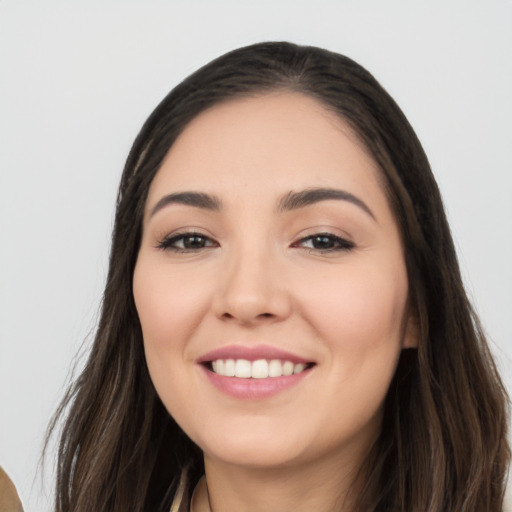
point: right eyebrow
(195, 199)
(303, 198)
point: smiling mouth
(258, 369)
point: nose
(253, 290)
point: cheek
(359, 314)
(364, 301)
(169, 305)
(359, 317)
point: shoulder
(9, 499)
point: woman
(284, 312)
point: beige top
(9, 499)
(180, 503)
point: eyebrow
(295, 200)
(196, 199)
(292, 200)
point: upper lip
(252, 353)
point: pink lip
(252, 389)
(251, 354)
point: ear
(411, 330)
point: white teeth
(287, 368)
(229, 368)
(242, 369)
(299, 368)
(275, 368)
(259, 369)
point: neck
(321, 487)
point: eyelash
(168, 243)
(338, 244)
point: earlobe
(411, 331)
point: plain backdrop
(77, 80)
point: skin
(259, 279)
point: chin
(255, 457)
(260, 443)
(255, 448)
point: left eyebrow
(194, 199)
(295, 200)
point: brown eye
(194, 242)
(185, 242)
(325, 242)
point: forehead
(270, 143)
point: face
(271, 285)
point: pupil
(322, 242)
(194, 242)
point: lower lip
(253, 389)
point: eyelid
(343, 242)
(166, 242)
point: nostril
(230, 316)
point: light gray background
(77, 79)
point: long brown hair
(443, 442)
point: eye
(187, 242)
(325, 242)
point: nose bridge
(252, 290)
